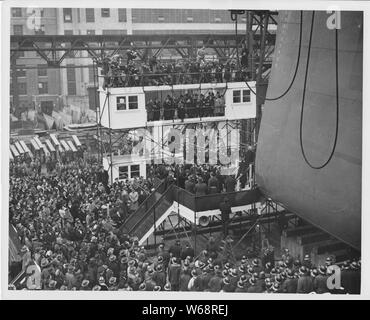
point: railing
(153, 213)
(144, 206)
(185, 113)
(121, 79)
(185, 198)
(195, 203)
(235, 199)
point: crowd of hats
(126, 266)
(121, 72)
(63, 222)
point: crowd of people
(188, 105)
(120, 71)
(104, 261)
(69, 219)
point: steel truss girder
(97, 45)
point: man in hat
(227, 286)
(215, 283)
(225, 209)
(305, 283)
(175, 249)
(185, 277)
(233, 276)
(159, 276)
(85, 285)
(320, 281)
(103, 286)
(26, 257)
(113, 284)
(213, 184)
(290, 284)
(240, 287)
(164, 254)
(190, 185)
(149, 282)
(351, 278)
(201, 188)
(192, 284)
(230, 183)
(187, 252)
(174, 271)
(307, 261)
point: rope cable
(295, 71)
(304, 98)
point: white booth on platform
(125, 107)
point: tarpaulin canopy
(76, 140)
(14, 150)
(25, 148)
(49, 145)
(54, 139)
(19, 147)
(65, 145)
(71, 145)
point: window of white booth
(129, 171)
(240, 96)
(121, 103)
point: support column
(15, 84)
(129, 21)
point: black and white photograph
(183, 148)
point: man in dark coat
(290, 284)
(320, 282)
(190, 185)
(215, 283)
(305, 283)
(175, 249)
(159, 276)
(174, 271)
(225, 209)
(187, 252)
(213, 184)
(184, 280)
(230, 184)
(201, 188)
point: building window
(246, 96)
(68, 32)
(90, 32)
(16, 12)
(71, 88)
(43, 87)
(22, 88)
(18, 30)
(71, 80)
(122, 15)
(90, 15)
(121, 103)
(133, 102)
(67, 14)
(92, 73)
(21, 72)
(105, 12)
(236, 96)
(122, 172)
(41, 30)
(135, 171)
(41, 70)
